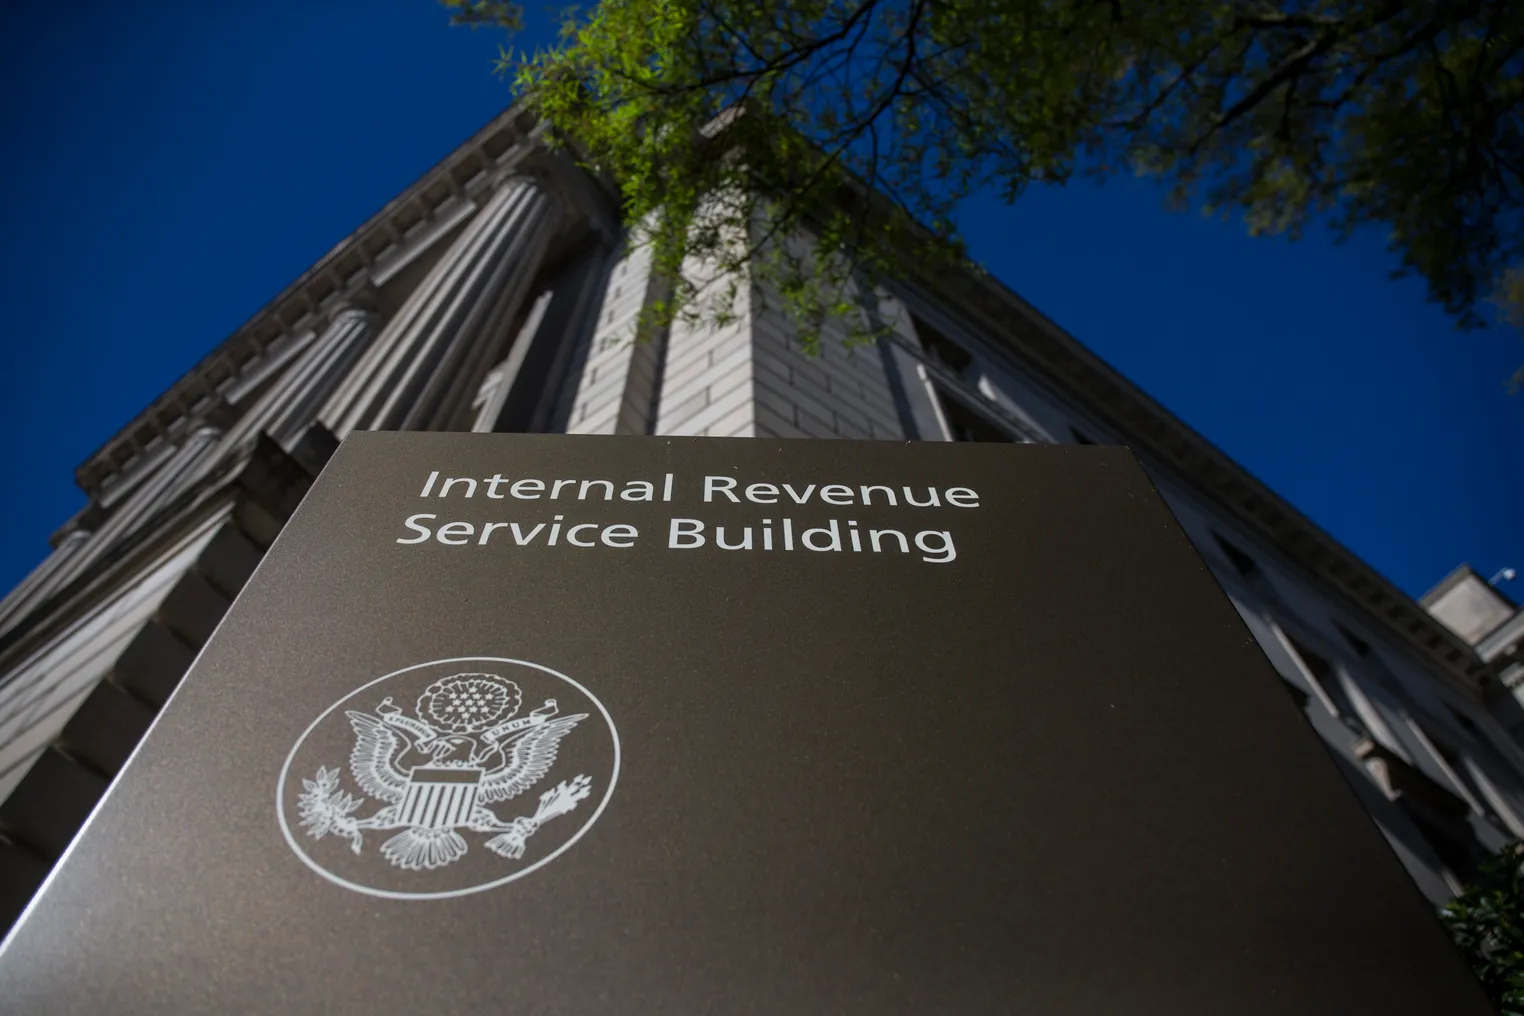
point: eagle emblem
(439, 770)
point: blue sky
(169, 168)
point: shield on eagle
(437, 756)
(440, 798)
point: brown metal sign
(588, 725)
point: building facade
(498, 293)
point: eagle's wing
(530, 756)
(371, 760)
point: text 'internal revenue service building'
(643, 725)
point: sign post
(586, 725)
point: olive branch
(326, 809)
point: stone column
(291, 403)
(431, 355)
(40, 582)
(317, 373)
(292, 400)
(138, 506)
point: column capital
(579, 198)
(365, 299)
(204, 433)
(79, 528)
(353, 314)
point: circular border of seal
(392, 894)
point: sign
(585, 725)
(437, 768)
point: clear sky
(168, 168)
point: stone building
(496, 294)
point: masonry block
(21, 873)
(153, 663)
(192, 609)
(50, 803)
(228, 561)
(106, 728)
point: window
(1466, 723)
(1242, 561)
(1459, 771)
(967, 425)
(1359, 645)
(1323, 672)
(1452, 759)
(941, 349)
(1455, 850)
(1301, 697)
(1317, 665)
(1456, 774)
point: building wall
(500, 293)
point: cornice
(1062, 362)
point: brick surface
(718, 408)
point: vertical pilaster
(493, 394)
(708, 384)
(841, 391)
(749, 378)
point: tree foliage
(1487, 923)
(1399, 114)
